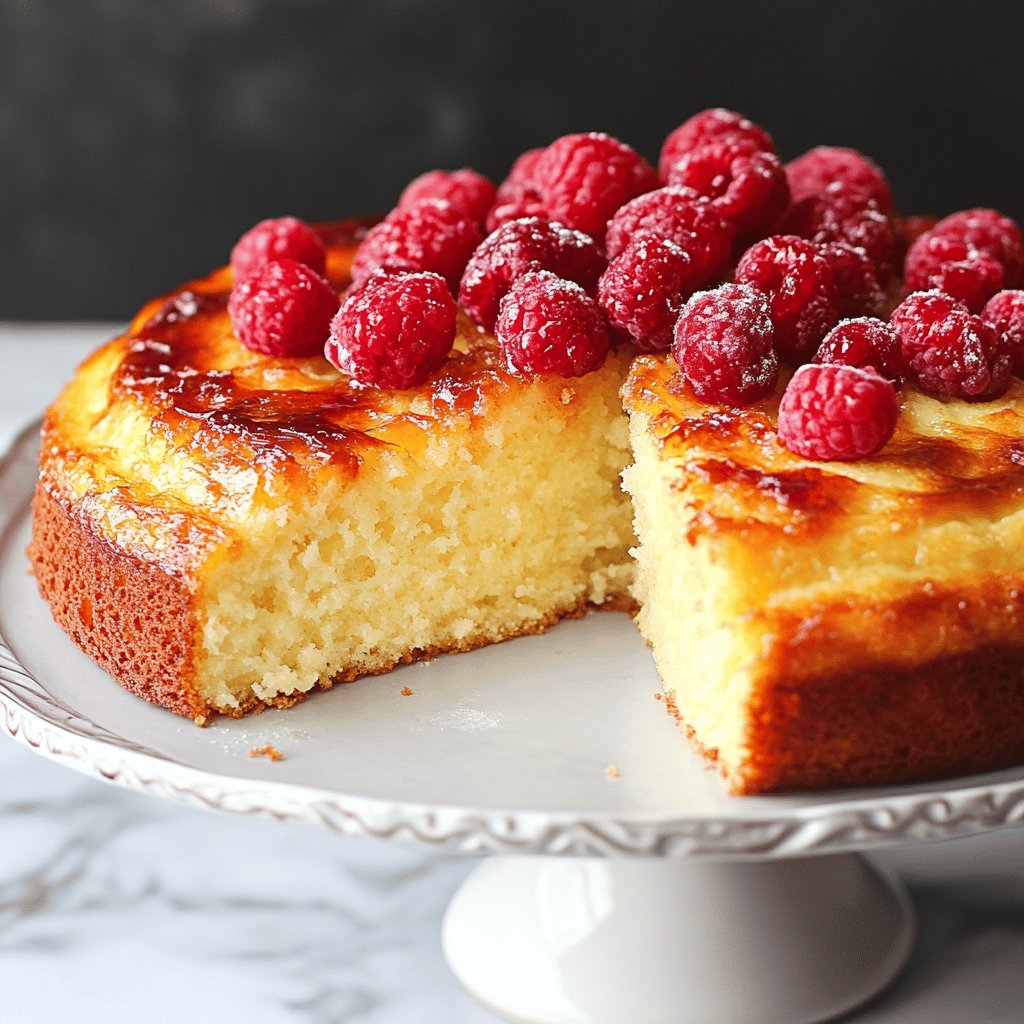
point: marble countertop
(118, 907)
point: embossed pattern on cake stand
(656, 898)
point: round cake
(366, 443)
(222, 530)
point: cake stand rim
(881, 817)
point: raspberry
(909, 229)
(517, 195)
(801, 291)
(524, 168)
(837, 412)
(746, 186)
(283, 309)
(866, 343)
(584, 179)
(282, 238)
(838, 217)
(521, 246)
(947, 350)
(430, 235)
(714, 125)
(860, 294)
(723, 345)
(680, 216)
(827, 167)
(513, 202)
(394, 331)
(973, 280)
(952, 266)
(468, 191)
(642, 290)
(550, 326)
(992, 233)
(1005, 312)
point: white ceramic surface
(128, 902)
(558, 940)
(501, 750)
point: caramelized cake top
(907, 555)
(175, 428)
(176, 415)
(948, 460)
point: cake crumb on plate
(269, 751)
(612, 771)
(406, 692)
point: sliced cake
(819, 623)
(222, 529)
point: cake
(221, 530)
(367, 443)
(832, 623)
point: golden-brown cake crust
(134, 618)
(886, 596)
(173, 434)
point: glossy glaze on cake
(177, 461)
(833, 623)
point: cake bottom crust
(251, 703)
(948, 717)
(139, 623)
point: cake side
(824, 624)
(306, 530)
(133, 618)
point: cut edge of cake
(801, 688)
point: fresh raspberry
(909, 229)
(866, 343)
(394, 330)
(1005, 312)
(517, 195)
(914, 317)
(992, 233)
(746, 186)
(682, 217)
(550, 326)
(714, 125)
(584, 179)
(837, 412)
(513, 202)
(524, 168)
(860, 294)
(801, 290)
(521, 246)
(850, 218)
(283, 238)
(468, 191)
(973, 280)
(723, 345)
(643, 289)
(838, 168)
(430, 235)
(947, 350)
(952, 266)
(283, 309)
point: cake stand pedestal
(583, 941)
(636, 896)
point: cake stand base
(546, 940)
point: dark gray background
(139, 138)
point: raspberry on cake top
(361, 444)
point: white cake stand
(640, 895)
